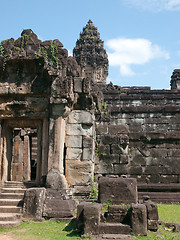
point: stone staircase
(160, 193)
(11, 202)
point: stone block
(139, 219)
(87, 154)
(58, 110)
(55, 179)
(87, 142)
(152, 210)
(74, 153)
(120, 169)
(79, 172)
(17, 171)
(34, 199)
(106, 140)
(116, 213)
(101, 129)
(74, 141)
(135, 170)
(114, 228)
(80, 116)
(152, 225)
(92, 219)
(54, 207)
(77, 84)
(117, 129)
(79, 130)
(117, 190)
(80, 215)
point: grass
(46, 230)
(56, 230)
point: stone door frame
(7, 126)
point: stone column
(17, 159)
(55, 176)
(45, 141)
(39, 153)
(26, 159)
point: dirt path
(6, 237)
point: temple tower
(175, 79)
(91, 55)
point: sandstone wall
(79, 156)
(139, 135)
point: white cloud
(125, 52)
(70, 53)
(155, 5)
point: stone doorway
(23, 166)
(22, 150)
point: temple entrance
(21, 150)
(23, 166)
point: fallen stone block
(114, 228)
(139, 219)
(117, 190)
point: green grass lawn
(55, 230)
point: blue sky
(142, 37)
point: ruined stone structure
(62, 125)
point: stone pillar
(45, 141)
(6, 152)
(39, 153)
(56, 147)
(17, 159)
(56, 144)
(26, 159)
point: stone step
(11, 195)
(161, 197)
(114, 228)
(11, 202)
(13, 190)
(9, 216)
(8, 224)
(158, 187)
(10, 209)
(14, 184)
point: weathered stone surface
(34, 199)
(116, 213)
(79, 172)
(152, 225)
(79, 116)
(55, 180)
(78, 84)
(87, 154)
(56, 207)
(92, 218)
(80, 215)
(79, 130)
(117, 190)
(139, 219)
(87, 142)
(114, 228)
(74, 153)
(74, 141)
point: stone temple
(63, 127)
